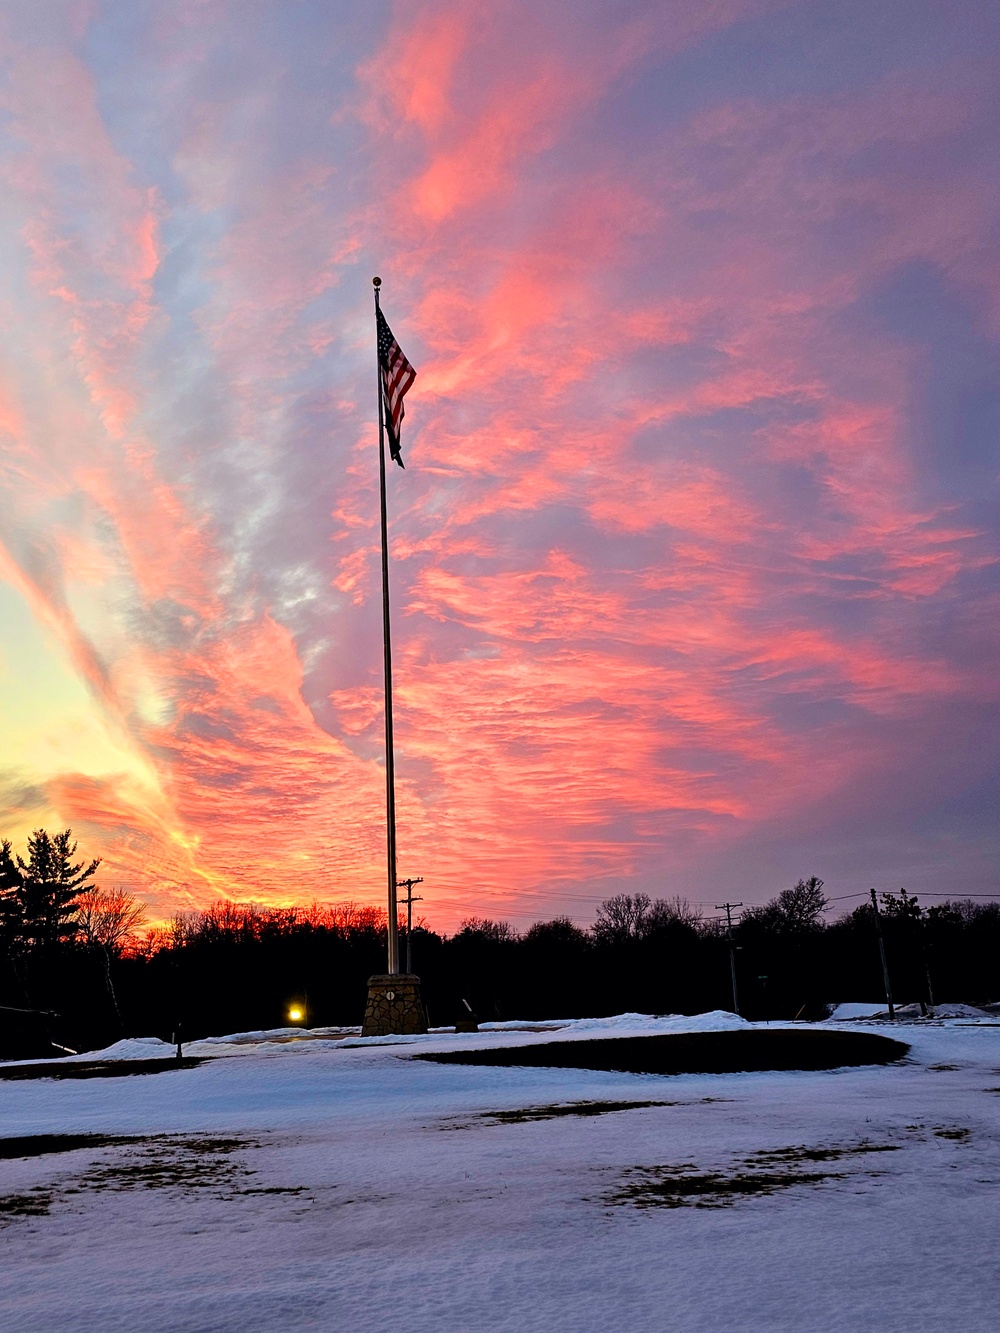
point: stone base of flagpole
(395, 1006)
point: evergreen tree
(50, 884)
(10, 905)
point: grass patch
(789, 1156)
(530, 1114)
(762, 1173)
(957, 1134)
(98, 1068)
(166, 1162)
(574, 1108)
(276, 1189)
(35, 1204)
(677, 1187)
(179, 1163)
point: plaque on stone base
(395, 1007)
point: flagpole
(390, 776)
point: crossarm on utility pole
(732, 949)
(881, 949)
(408, 884)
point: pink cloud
(666, 557)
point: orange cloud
(671, 567)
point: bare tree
(635, 916)
(558, 933)
(501, 932)
(622, 917)
(667, 912)
(795, 911)
(109, 918)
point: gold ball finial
(376, 282)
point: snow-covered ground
(839, 1012)
(334, 1183)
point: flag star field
(694, 561)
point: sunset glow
(694, 560)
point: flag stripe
(397, 376)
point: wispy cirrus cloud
(694, 528)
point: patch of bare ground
(179, 1163)
(761, 1174)
(40, 1145)
(531, 1114)
(166, 1162)
(35, 1203)
(98, 1068)
(783, 1156)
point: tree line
(81, 953)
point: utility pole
(408, 884)
(727, 907)
(881, 949)
(922, 927)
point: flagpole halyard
(390, 775)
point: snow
(511, 1033)
(372, 1188)
(843, 1012)
(958, 1011)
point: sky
(694, 559)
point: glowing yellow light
(295, 1014)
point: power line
(843, 897)
(957, 898)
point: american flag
(397, 376)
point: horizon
(695, 555)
